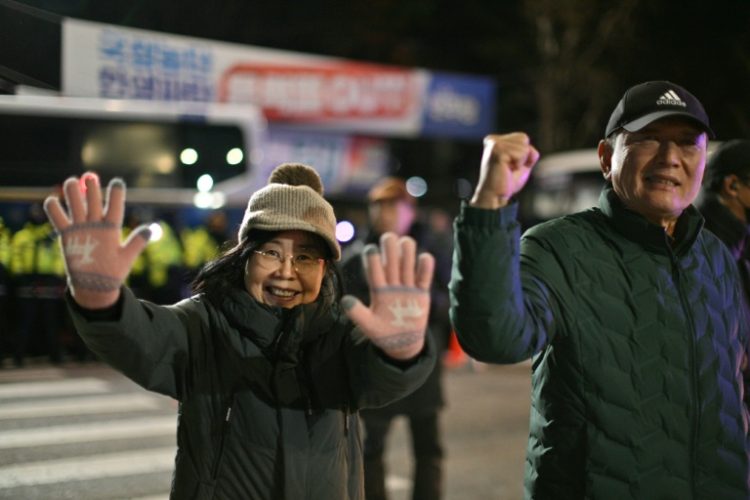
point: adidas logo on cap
(671, 98)
(649, 101)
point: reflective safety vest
(158, 257)
(5, 248)
(35, 249)
(5, 237)
(199, 247)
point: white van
(161, 149)
(563, 183)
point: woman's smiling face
(287, 270)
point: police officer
(5, 341)
(38, 274)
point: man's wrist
(488, 201)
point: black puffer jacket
(637, 343)
(268, 396)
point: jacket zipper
(276, 348)
(222, 438)
(676, 273)
(309, 409)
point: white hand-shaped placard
(396, 320)
(96, 261)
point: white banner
(327, 93)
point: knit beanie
(292, 199)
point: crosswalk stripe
(80, 406)
(31, 373)
(53, 388)
(88, 467)
(397, 483)
(88, 432)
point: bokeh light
(189, 156)
(345, 231)
(416, 186)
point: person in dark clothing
(5, 292)
(726, 201)
(269, 363)
(630, 311)
(392, 209)
(38, 282)
(726, 208)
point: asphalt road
(85, 432)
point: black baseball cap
(650, 101)
(731, 157)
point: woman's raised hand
(396, 320)
(96, 260)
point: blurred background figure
(392, 208)
(137, 280)
(726, 207)
(38, 277)
(726, 201)
(201, 244)
(5, 329)
(157, 274)
(165, 271)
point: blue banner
(459, 106)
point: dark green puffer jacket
(268, 397)
(637, 345)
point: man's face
(657, 171)
(393, 215)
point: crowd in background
(33, 320)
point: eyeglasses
(303, 263)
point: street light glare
(416, 186)
(235, 156)
(344, 231)
(205, 183)
(189, 156)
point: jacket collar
(636, 228)
(253, 319)
(263, 324)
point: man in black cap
(631, 311)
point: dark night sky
(703, 46)
(570, 55)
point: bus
(179, 153)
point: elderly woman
(269, 363)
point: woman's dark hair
(228, 270)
